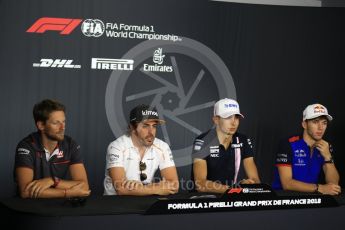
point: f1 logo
(235, 190)
(64, 25)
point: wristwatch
(56, 182)
(330, 161)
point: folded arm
(50, 188)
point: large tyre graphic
(183, 97)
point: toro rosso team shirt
(223, 165)
(31, 153)
(295, 153)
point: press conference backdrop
(101, 58)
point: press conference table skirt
(128, 213)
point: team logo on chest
(300, 162)
(214, 151)
(239, 145)
(59, 154)
(300, 153)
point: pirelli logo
(64, 25)
(112, 64)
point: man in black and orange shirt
(44, 158)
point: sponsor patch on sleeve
(114, 158)
(198, 144)
(250, 143)
(281, 158)
(23, 151)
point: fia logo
(158, 56)
(92, 28)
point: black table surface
(103, 205)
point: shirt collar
(37, 142)
(129, 143)
(212, 139)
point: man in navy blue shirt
(45, 159)
(223, 157)
(300, 159)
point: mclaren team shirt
(122, 153)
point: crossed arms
(44, 188)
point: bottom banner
(231, 201)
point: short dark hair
(320, 117)
(43, 109)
